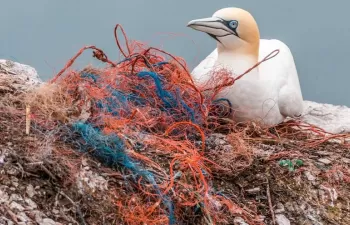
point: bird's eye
(233, 24)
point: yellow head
(234, 29)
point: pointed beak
(211, 21)
(212, 25)
(205, 24)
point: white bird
(267, 94)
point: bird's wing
(200, 73)
(284, 77)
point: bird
(269, 93)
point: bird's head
(233, 28)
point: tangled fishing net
(145, 118)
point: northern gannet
(269, 93)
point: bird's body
(269, 93)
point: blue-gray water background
(45, 34)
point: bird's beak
(213, 26)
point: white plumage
(267, 94)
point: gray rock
(16, 207)
(31, 204)
(4, 197)
(303, 206)
(47, 221)
(55, 211)
(15, 184)
(332, 118)
(227, 148)
(282, 219)
(38, 216)
(289, 206)
(324, 153)
(16, 197)
(4, 220)
(30, 191)
(322, 196)
(279, 208)
(22, 217)
(309, 176)
(24, 223)
(239, 221)
(19, 72)
(2, 157)
(12, 171)
(346, 160)
(313, 219)
(325, 161)
(253, 190)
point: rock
(282, 219)
(332, 194)
(313, 219)
(16, 207)
(324, 153)
(227, 148)
(279, 208)
(253, 190)
(4, 197)
(239, 221)
(31, 204)
(19, 74)
(15, 184)
(12, 171)
(24, 223)
(332, 118)
(296, 206)
(219, 142)
(16, 197)
(309, 176)
(325, 161)
(4, 220)
(47, 221)
(2, 157)
(30, 191)
(55, 211)
(314, 194)
(322, 196)
(38, 216)
(289, 206)
(338, 176)
(23, 217)
(303, 206)
(88, 181)
(345, 160)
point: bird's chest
(247, 92)
(237, 64)
(252, 99)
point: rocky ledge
(316, 193)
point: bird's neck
(238, 61)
